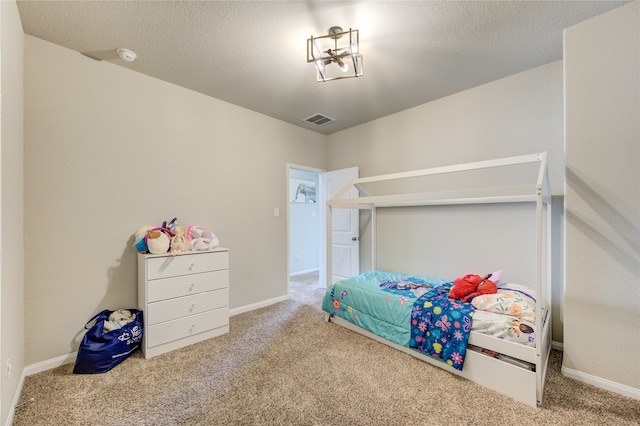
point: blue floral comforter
(440, 326)
(411, 311)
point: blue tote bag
(99, 352)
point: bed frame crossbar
(428, 198)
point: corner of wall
(11, 209)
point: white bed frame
(519, 383)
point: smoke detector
(126, 54)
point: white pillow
(507, 302)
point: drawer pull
(193, 305)
(191, 328)
(191, 286)
(192, 265)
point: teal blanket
(380, 302)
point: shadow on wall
(628, 254)
(121, 289)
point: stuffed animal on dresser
(201, 239)
(178, 241)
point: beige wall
(109, 150)
(519, 114)
(602, 302)
(11, 203)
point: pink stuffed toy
(470, 286)
(200, 239)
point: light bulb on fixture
(344, 67)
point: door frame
(290, 166)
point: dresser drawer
(169, 288)
(171, 309)
(185, 298)
(185, 327)
(172, 266)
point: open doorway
(304, 231)
(307, 236)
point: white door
(345, 233)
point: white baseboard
(307, 271)
(49, 364)
(597, 381)
(601, 383)
(71, 358)
(258, 305)
(37, 368)
(14, 403)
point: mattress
(370, 302)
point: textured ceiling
(253, 53)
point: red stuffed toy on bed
(470, 286)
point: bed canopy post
(374, 239)
(329, 244)
(543, 270)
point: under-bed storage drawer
(188, 326)
(184, 298)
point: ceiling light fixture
(325, 50)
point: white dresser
(184, 298)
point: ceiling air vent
(319, 120)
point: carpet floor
(284, 365)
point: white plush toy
(117, 319)
(200, 239)
(158, 241)
(202, 244)
(178, 242)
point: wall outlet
(8, 369)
